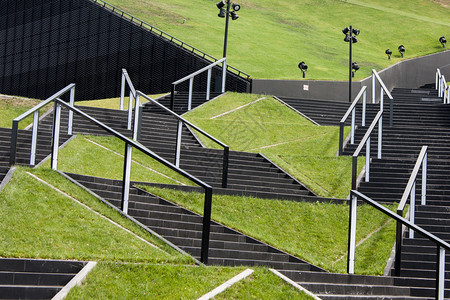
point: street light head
(347, 38)
(345, 30)
(388, 53)
(236, 7)
(222, 13)
(220, 4)
(401, 49)
(354, 39)
(234, 15)
(355, 68)
(443, 41)
(303, 67)
(355, 31)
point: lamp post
(226, 13)
(350, 37)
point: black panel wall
(48, 44)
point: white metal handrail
(352, 109)
(366, 142)
(126, 81)
(441, 244)
(442, 88)
(35, 111)
(383, 90)
(190, 77)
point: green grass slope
(271, 37)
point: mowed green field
(271, 37)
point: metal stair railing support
(441, 244)
(366, 142)
(410, 193)
(130, 144)
(352, 110)
(124, 82)
(383, 90)
(441, 86)
(35, 111)
(191, 82)
(181, 121)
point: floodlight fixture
(345, 30)
(234, 15)
(355, 31)
(236, 7)
(222, 13)
(355, 68)
(388, 53)
(401, 49)
(443, 41)
(303, 67)
(220, 4)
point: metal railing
(126, 81)
(167, 36)
(366, 142)
(410, 193)
(34, 135)
(352, 110)
(191, 82)
(441, 245)
(383, 90)
(181, 121)
(442, 88)
(129, 145)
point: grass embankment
(271, 37)
(305, 150)
(39, 222)
(12, 107)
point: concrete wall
(411, 73)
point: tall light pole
(226, 13)
(350, 37)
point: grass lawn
(305, 150)
(103, 156)
(12, 107)
(145, 281)
(315, 232)
(271, 37)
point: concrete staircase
(35, 279)
(183, 228)
(180, 102)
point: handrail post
(363, 116)
(226, 154)
(380, 136)
(72, 102)
(178, 143)
(391, 112)
(191, 86)
(382, 99)
(412, 209)
(352, 137)
(130, 110)
(398, 245)
(122, 91)
(354, 171)
(34, 137)
(126, 178)
(206, 225)
(341, 138)
(55, 140)
(440, 273)
(224, 74)
(172, 97)
(14, 138)
(137, 117)
(437, 79)
(352, 235)
(208, 85)
(373, 88)
(424, 179)
(367, 178)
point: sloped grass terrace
(271, 37)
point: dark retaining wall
(48, 44)
(411, 73)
